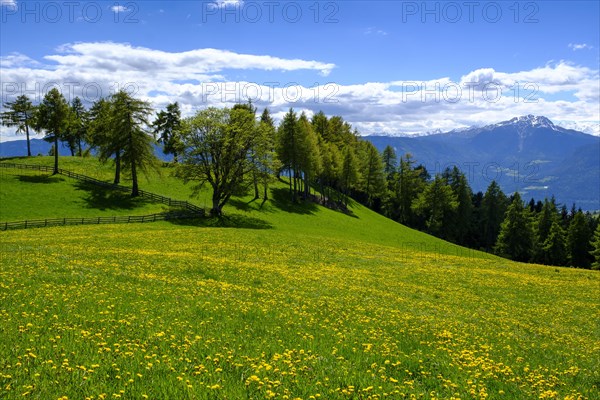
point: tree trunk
(79, 145)
(256, 191)
(295, 186)
(28, 143)
(216, 209)
(266, 195)
(306, 186)
(291, 193)
(175, 157)
(135, 191)
(117, 168)
(55, 154)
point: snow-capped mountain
(530, 154)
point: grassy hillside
(26, 194)
(298, 302)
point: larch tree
(349, 174)
(129, 123)
(53, 117)
(167, 129)
(309, 160)
(20, 114)
(78, 126)
(288, 149)
(103, 137)
(266, 163)
(372, 167)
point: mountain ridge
(529, 154)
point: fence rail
(38, 223)
(191, 210)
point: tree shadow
(45, 179)
(241, 205)
(281, 199)
(227, 221)
(102, 198)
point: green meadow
(279, 300)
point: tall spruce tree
(578, 242)
(515, 240)
(555, 246)
(493, 208)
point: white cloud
(374, 31)
(118, 9)
(199, 78)
(126, 58)
(220, 4)
(8, 3)
(580, 46)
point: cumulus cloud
(202, 77)
(8, 3)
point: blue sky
(391, 67)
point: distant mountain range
(16, 148)
(528, 154)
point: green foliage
(515, 240)
(555, 246)
(128, 122)
(543, 224)
(372, 177)
(349, 173)
(20, 114)
(404, 187)
(458, 225)
(434, 204)
(77, 126)
(217, 151)
(493, 209)
(167, 128)
(389, 160)
(595, 243)
(53, 117)
(578, 242)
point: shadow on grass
(226, 221)
(40, 179)
(107, 199)
(280, 198)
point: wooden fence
(191, 210)
(38, 223)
